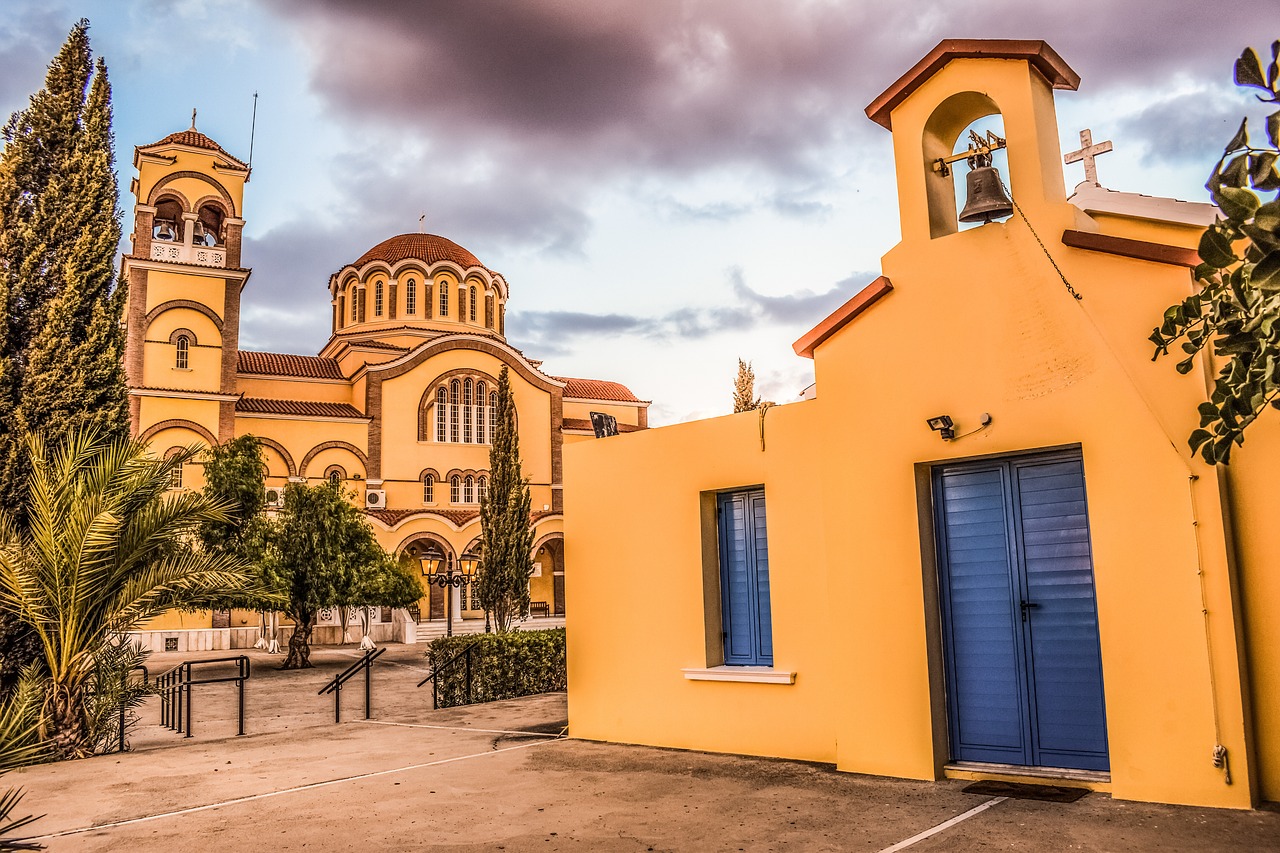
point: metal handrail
(335, 686)
(435, 684)
(175, 691)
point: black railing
(146, 678)
(175, 691)
(468, 683)
(335, 686)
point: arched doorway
(432, 556)
(546, 584)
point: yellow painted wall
(978, 322)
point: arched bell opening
(167, 224)
(208, 226)
(946, 133)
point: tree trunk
(68, 725)
(299, 644)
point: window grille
(377, 300)
(411, 297)
(442, 403)
(429, 489)
(455, 489)
(182, 357)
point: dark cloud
(519, 111)
(29, 38)
(556, 332)
(1189, 128)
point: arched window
(493, 414)
(444, 299)
(335, 477)
(482, 488)
(377, 299)
(468, 389)
(182, 358)
(455, 392)
(481, 396)
(355, 305)
(175, 476)
(469, 490)
(473, 304)
(429, 488)
(455, 489)
(411, 297)
(442, 403)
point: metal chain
(1067, 284)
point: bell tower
(184, 278)
(957, 83)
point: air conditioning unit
(275, 498)
(375, 499)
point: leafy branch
(1237, 309)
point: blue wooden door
(744, 579)
(1024, 671)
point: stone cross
(1088, 153)
(193, 118)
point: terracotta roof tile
(371, 344)
(304, 408)
(597, 389)
(459, 517)
(194, 139)
(392, 517)
(284, 364)
(585, 423)
(428, 248)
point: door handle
(1027, 605)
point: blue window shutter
(744, 579)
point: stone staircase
(430, 630)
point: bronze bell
(984, 196)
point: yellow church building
(397, 407)
(982, 549)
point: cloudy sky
(667, 185)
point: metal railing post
(187, 684)
(242, 669)
(368, 687)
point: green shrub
(503, 666)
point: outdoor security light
(944, 426)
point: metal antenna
(253, 126)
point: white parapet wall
(401, 629)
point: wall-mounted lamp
(944, 426)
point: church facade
(397, 407)
(983, 549)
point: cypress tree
(506, 537)
(61, 344)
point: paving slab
(498, 777)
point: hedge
(503, 666)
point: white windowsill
(750, 674)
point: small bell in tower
(985, 199)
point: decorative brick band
(178, 423)
(279, 448)
(340, 445)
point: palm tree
(105, 545)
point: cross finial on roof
(193, 118)
(1088, 153)
(422, 227)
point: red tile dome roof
(428, 248)
(193, 138)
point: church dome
(428, 248)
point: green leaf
(1267, 216)
(1237, 204)
(1273, 129)
(1199, 437)
(1249, 70)
(1266, 275)
(1215, 249)
(1237, 172)
(1185, 366)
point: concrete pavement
(498, 777)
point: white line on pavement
(946, 824)
(294, 790)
